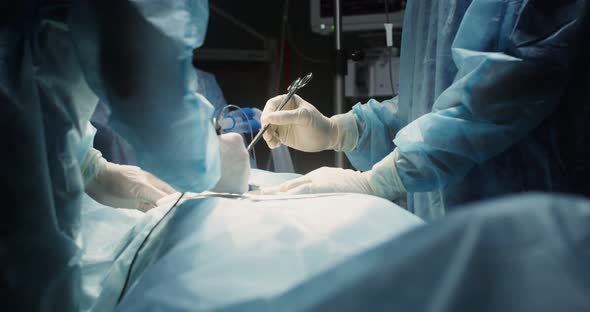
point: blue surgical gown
(207, 85)
(137, 57)
(56, 62)
(483, 87)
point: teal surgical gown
(56, 62)
(484, 87)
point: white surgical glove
(382, 181)
(235, 165)
(301, 126)
(122, 186)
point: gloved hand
(235, 165)
(301, 126)
(123, 186)
(382, 181)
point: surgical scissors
(295, 86)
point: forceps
(291, 90)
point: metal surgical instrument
(291, 90)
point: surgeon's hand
(324, 180)
(301, 126)
(382, 181)
(235, 165)
(123, 186)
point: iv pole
(340, 71)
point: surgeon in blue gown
(57, 60)
(116, 149)
(486, 87)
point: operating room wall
(247, 83)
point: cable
(223, 111)
(391, 71)
(389, 50)
(136, 255)
(284, 22)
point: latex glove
(123, 186)
(235, 165)
(301, 126)
(382, 181)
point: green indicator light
(333, 27)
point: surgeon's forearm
(509, 80)
(377, 124)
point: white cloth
(235, 165)
(227, 251)
(221, 251)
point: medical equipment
(471, 115)
(357, 15)
(240, 120)
(225, 120)
(295, 86)
(245, 120)
(374, 75)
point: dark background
(246, 84)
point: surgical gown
(56, 63)
(486, 87)
(113, 147)
(207, 85)
(137, 57)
